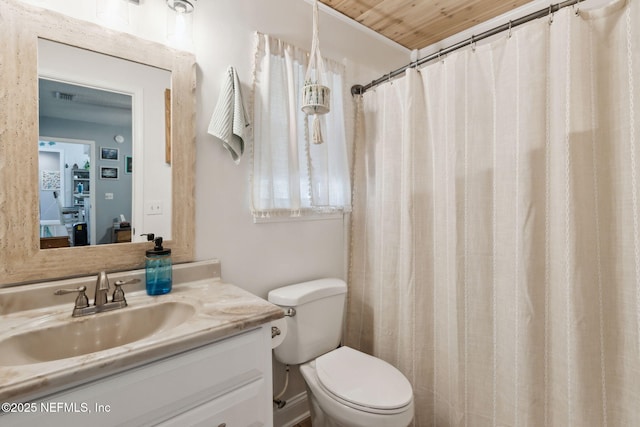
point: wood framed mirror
(21, 259)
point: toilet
(346, 388)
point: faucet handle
(81, 300)
(118, 293)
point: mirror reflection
(101, 182)
(73, 169)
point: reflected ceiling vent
(64, 96)
(96, 99)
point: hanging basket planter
(315, 99)
(316, 96)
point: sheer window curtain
(291, 176)
(495, 237)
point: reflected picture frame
(49, 180)
(108, 153)
(109, 172)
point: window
(291, 176)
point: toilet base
(318, 417)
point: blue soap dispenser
(158, 268)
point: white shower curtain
(495, 252)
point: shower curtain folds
(495, 255)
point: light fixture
(179, 23)
(180, 6)
(113, 13)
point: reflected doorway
(67, 196)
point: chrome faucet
(101, 299)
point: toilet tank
(316, 327)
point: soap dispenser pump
(158, 268)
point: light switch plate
(153, 207)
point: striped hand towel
(229, 119)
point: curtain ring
(389, 79)
(473, 43)
(510, 28)
(550, 14)
(576, 7)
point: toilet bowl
(346, 388)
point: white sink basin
(73, 337)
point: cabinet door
(243, 407)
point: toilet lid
(363, 380)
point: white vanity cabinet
(225, 383)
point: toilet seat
(363, 382)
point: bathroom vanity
(200, 355)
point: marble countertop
(221, 310)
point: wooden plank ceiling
(419, 23)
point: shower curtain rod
(360, 89)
